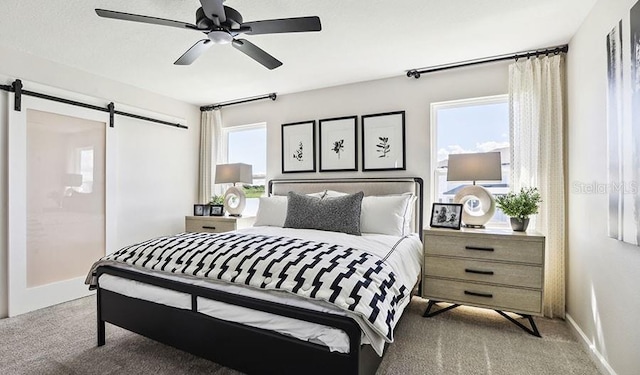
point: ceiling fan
(222, 24)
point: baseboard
(600, 362)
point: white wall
(157, 165)
(392, 94)
(603, 284)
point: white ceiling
(360, 40)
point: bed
(294, 333)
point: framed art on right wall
(383, 142)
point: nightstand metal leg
(532, 331)
(429, 314)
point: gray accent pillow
(335, 214)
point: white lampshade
(485, 166)
(478, 204)
(72, 180)
(233, 173)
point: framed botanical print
(383, 142)
(338, 144)
(298, 147)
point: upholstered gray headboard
(370, 186)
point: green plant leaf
(520, 205)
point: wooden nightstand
(491, 268)
(217, 224)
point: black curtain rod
(212, 107)
(132, 115)
(16, 88)
(513, 56)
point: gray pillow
(335, 214)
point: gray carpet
(61, 340)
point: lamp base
(474, 226)
(234, 201)
(478, 205)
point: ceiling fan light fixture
(222, 24)
(220, 37)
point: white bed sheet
(405, 260)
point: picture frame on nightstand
(446, 215)
(201, 210)
(216, 210)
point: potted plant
(217, 205)
(519, 206)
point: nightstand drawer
(217, 224)
(494, 297)
(485, 247)
(209, 226)
(490, 272)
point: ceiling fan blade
(284, 25)
(194, 52)
(214, 9)
(256, 53)
(144, 19)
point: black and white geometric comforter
(348, 278)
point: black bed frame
(247, 349)
(244, 348)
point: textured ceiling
(361, 40)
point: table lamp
(71, 181)
(234, 197)
(478, 204)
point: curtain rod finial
(413, 73)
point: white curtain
(211, 153)
(536, 101)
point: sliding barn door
(60, 185)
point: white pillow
(272, 211)
(333, 193)
(409, 215)
(320, 194)
(388, 214)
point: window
(85, 167)
(248, 144)
(467, 126)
